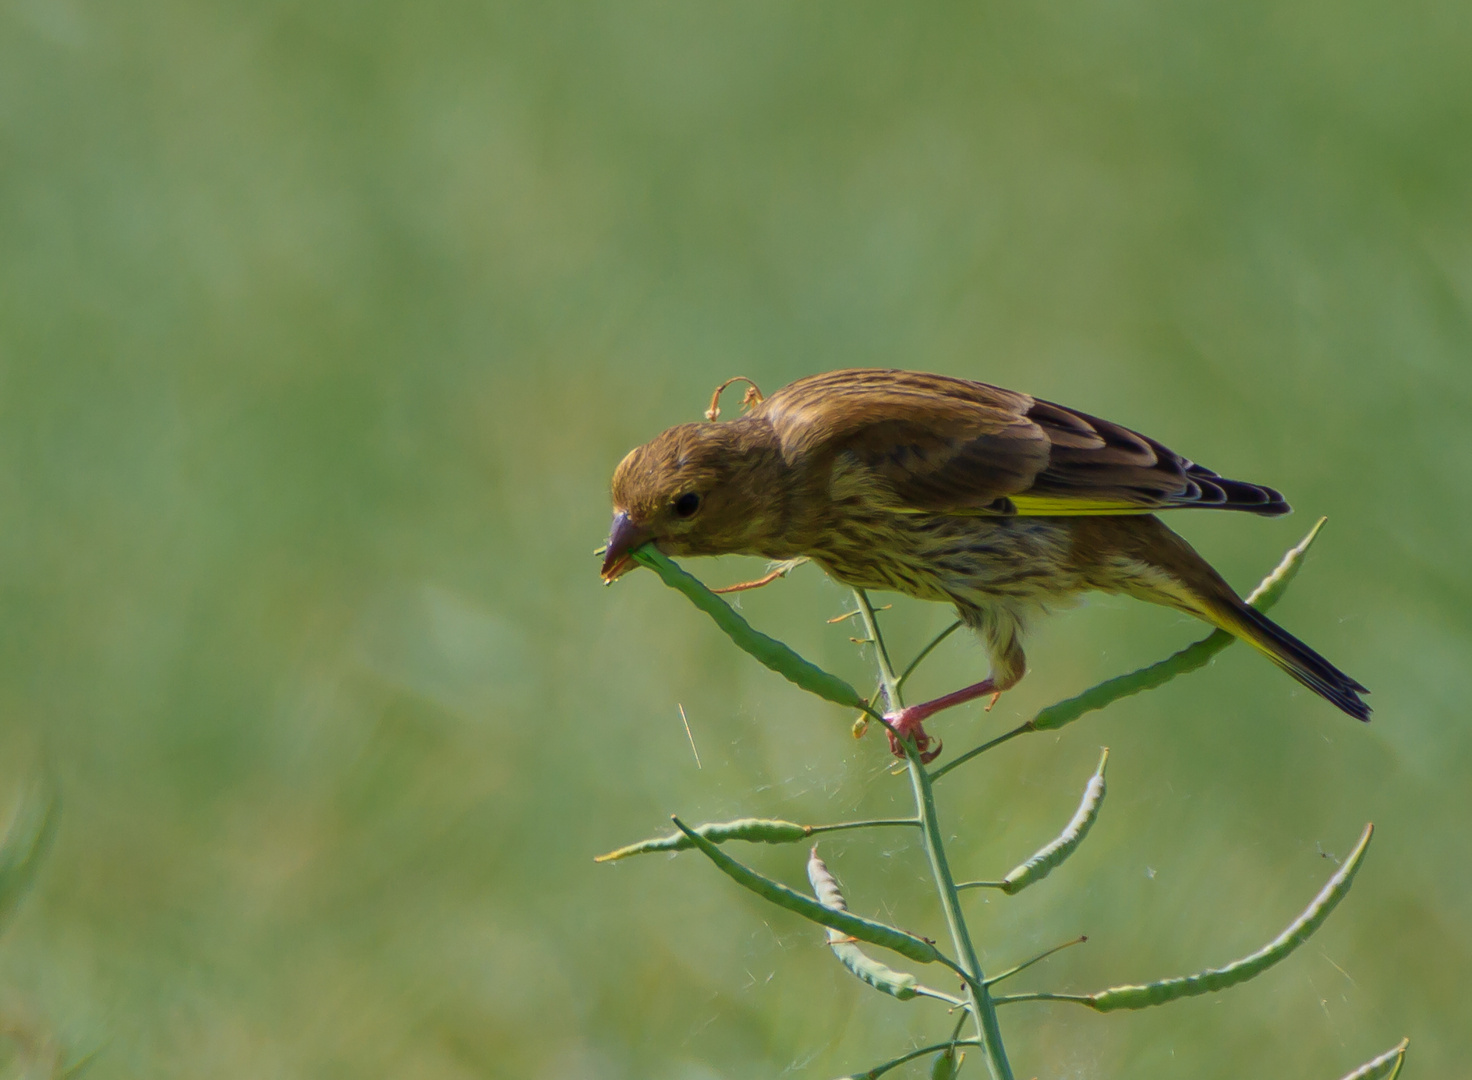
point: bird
(946, 489)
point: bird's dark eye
(687, 504)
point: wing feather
(946, 445)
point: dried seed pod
(899, 984)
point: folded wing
(946, 445)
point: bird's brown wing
(956, 446)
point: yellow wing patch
(1045, 506)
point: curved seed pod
(771, 652)
(25, 845)
(1271, 588)
(755, 830)
(1156, 993)
(1045, 861)
(906, 944)
(899, 984)
(1385, 1067)
(1190, 658)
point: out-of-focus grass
(322, 327)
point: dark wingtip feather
(1219, 493)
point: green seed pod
(771, 652)
(1156, 993)
(1045, 861)
(754, 830)
(906, 944)
(1385, 1067)
(899, 984)
(947, 1065)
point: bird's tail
(1290, 654)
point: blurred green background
(321, 330)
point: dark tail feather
(1296, 658)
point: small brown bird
(951, 490)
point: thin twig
(894, 1063)
(766, 579)
(947, 632)
(1039, 958)
(983, 748)
(855, 611)
(690, 735)
(814, 830)
(753, 395)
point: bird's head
(697, 489)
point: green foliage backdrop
(322, 327)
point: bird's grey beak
(623, 538)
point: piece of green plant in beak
(623, 538)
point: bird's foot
(906, 724)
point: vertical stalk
(977, 996)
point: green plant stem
(899, 683)
(1021, 729)
(875, 823)
(894, 1063)
(1038, 959)
(988, 1032)
(1041, 995)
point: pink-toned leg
(906, 723)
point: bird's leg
(906, 723)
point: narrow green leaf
(771, 652)
(75, 1070)
(1049, 858)
(906, 944)
(1385, 1067)
(26, 843)
(1190, 658)
(1157, 993)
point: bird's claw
(901, 725)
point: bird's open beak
(623, 538)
